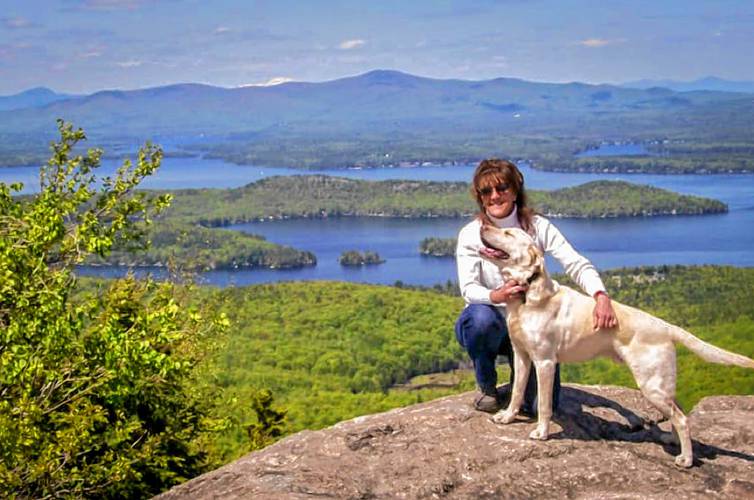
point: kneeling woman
(498, 187)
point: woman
(498, 187)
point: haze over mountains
(38, 96)
(378, 105)
(706, 83)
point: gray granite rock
(444, 448)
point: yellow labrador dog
(553, 324)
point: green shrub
(96, 384)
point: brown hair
(502, 171)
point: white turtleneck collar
(511, 220)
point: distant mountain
(31, 98)
(381, 103)
(707, 83)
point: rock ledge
(444, 448)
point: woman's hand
(506, 291)
(604, 315)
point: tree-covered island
(189, 232)
(438, 247)
(354, 258)
(319, 196)
(201, 248)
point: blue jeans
(482, 331)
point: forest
(690, 155)
(675, 164)
(663, 156)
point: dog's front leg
(522, 364)
(545, 380)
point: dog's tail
(708, 352)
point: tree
(95, 382)
(270, 422)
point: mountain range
(380, 104)
(32, 98)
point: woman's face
(498, 197)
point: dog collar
(531, 280)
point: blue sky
(81, 46)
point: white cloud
(14, 50)
(90, 53)
(133, 63)
(221, 29)
(112, 4)
(269, 83)
(16, 23)
(499, 62)
(599, 42)
(352, 44)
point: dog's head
(514, 252)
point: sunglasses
(500, 188)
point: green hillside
(328, 351)
(712, 158)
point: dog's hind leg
(668, 407)
(654, 370)
(522, 364)
(545, 380)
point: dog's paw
(684, 461)
(504, 417)
(538, 434)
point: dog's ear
(536, 259)
(537, 268)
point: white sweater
(478, 277)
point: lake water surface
(609, 243)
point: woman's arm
(575, 265)
(469, 266)
(579, 269)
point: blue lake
(609, 243)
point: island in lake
(190, 233)
(356, 258)
(438, 247)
